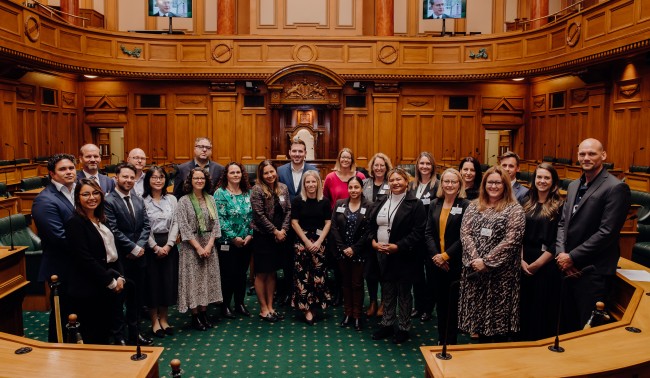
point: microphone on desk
(31, 151)
(133, 288)
(11, 228)
(14, 152)
(556, 344)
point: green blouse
(235, 215)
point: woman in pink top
(336, 183)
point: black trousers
(580, 297)
(424, 299)
(132, 296)
(233, 265)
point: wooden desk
(10, 204)
(27, 199)
(74, 360)
(13, 281)
(606, 351)
(638, 181)
(12, 174)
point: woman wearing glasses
(199, 278)
(491, 234)
(161, 252)
(442, 237)
(95, 278)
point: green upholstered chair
(24, 236)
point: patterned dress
(489, 304)
(199, 281)
(309, 270)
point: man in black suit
(202, 154)
(435, 9)
(90, 158)
(50, 210)
(164, 8)
(127, 218)
(588, 233)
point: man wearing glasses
(138, 159)
(202, 154)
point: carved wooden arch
(310, 88)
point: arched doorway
(305, 100)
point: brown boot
(380, 310)
(372, 309)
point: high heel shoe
(309, 321)
(203, 316)
(380, 310)
(196, 323)
(357, 324)
(346, 321)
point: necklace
(391, 214)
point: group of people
(482, 250)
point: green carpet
(248, 347)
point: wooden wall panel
(224, 126)
(622, 16)
(450, 137)
(262, 128)
(468, 136)
(385, 123)
(410, 140)
(183, 138)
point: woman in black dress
(396, 228)
(161, 252)
(442, 237)
(470, 170)
(95, 279)
(310, 219)
(348, 237)
(540, 276)
(271, 220)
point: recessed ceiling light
(519, 79)
(90, 76)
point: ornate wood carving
(628, 91)
(502, 116)
(25, 93)
(579, 96)
(573, 33)
(104, 113)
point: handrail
(555, 15)
(58, 13)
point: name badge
(486, 232)
(319, 232)
(427, 195)
(363, 211)
(385, 186)
(426, 201)
(456, 210)
(225, 247)
(381, 191)
(340, 209)
(247, 200)
(281, 198)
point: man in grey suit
(51, 209)
(290, 174)
(595, 210)
(435, 9)
(90, 158)
(202, 155)
(127, 218)
(509, 161)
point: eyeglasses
(87, 195)
(158, 178)
(450, 182)
(139, 158)
(202, 147)
(494, 183)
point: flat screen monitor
(432, 9)
(170, 8)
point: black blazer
(90, 274)
(453, 246)
(128, 233)
(428, 195)
(407, 232)
(337, 228)
(215, 169)
(590, 234)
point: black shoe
(346, 321)
(278, 315)
(415, 313)
(425, 317)
(144, 341)
(226, 313)
(383, 333)
(169, 331)
(400, 337)
(197, 323)
(357, 325)
(160, 333)
(241, 309)
(269, 318)
(203, 316)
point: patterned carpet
(248, 347)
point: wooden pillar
(385, 17)
(538, 8)
(226, 17)
(70, 7)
